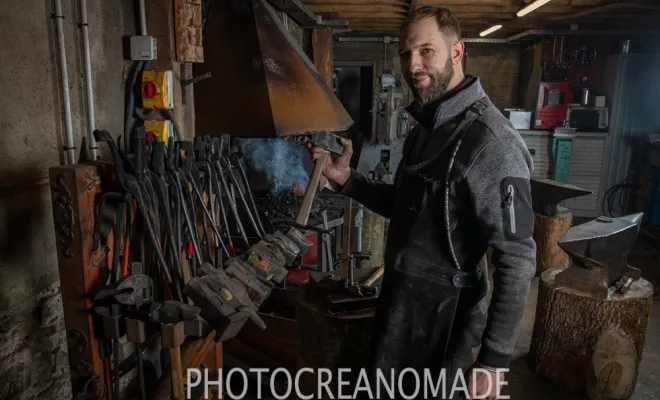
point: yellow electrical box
(160, 129)
(157, 90)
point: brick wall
(496, 65)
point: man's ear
(457, 52)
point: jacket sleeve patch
(518, 217)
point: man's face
(426, 59)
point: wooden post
(547, 233)
(83, 270)
(590, 345)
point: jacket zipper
(512, 212)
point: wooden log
(330, 341)
(547, 232)
(590, 345)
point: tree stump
(330, 342)
(590, 345)
(547, 232)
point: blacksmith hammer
(327, 141)
(548, 194)
(599, 250)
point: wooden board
(188, 30)
(85, 270)
(590, 345)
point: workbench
(586, 167)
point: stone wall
(497, 67)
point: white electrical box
(143, 48)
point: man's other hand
(483, 383)
(337, 170)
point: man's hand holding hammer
(336, 170)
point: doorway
(355, 80)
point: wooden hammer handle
(374, 277)
(192, 355)
(310, 192)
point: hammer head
(327, 141)
(547, 194)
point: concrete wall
(496, 65)
(33, 355)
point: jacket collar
(449, 106)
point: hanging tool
(130, 184)
(171, 315)
(220, 307)
(258, 289)
(599, 250)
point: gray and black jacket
(489, 206)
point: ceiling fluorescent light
(490, 30)
(531, 7)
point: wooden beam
(413, 6)
(486, 8)
(341, 8)
(350, 15)
(402, 3)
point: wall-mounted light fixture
(531, 7)
(490, 30)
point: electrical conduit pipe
(71, 155)
(88, 78)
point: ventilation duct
(262, 84)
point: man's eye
(426, 52)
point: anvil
(547, 194)
(599, 250)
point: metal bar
(391, 39)
(577, 32)
(297, 11)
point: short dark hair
(447, 22)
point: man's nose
(415, 62)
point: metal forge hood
(262, 84)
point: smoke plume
(281, 160)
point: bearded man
(462, 186)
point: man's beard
(438, 83)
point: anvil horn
(547, 194)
